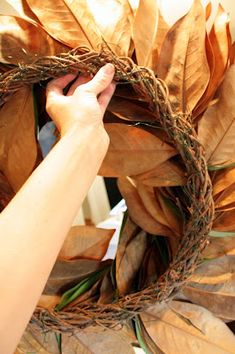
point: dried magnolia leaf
(225, 198)
(86, 242)
(106, 290)
(220, 39)
(187, 328)
(216, 129)
(18, 8)
(59, 22)
(213, 287)
(129, 151)
(224, 221)
(162, 29)
(112, 19)
(48, 301)
(18, 148)
(35, 341)
(23, 41)
(173, 222)
(166, 174)
(66, 274)
(129, 110)
(183, 62)
(6, 192)
(128, 265)
(101, 341)
(81, 11)
(144, 30)
(219, 246)
(137, 210)
(223, 179)
(218, 46)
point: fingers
(101, 80)
(81, 80)
(55, 87)
(106, 96)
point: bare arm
(34, 224)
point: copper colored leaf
(105, 341)
(224, 221)
(106, 290)
(182, 62)
(81, 11)
(218, 46)
(18, 148)
(48, 301)
(130, 150)
(59, 22)
(162, 29)
(223, 179)
(220, 40)
(6, 192)
(144, 30)
(129, 110)
(112, 19)
(225, 198)
(187, 328)
(23, 41)
(18, 8)
(213, 287)
(216, 129)
(35, 341)
(164, 175)
(66, 274)
(86, 242)
(219, 246)
(137, 211)
(128, 265)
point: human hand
(85, 103)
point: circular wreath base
(198, 188)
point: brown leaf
(223, 179)
(66, 274)
(144, 30)
(48, 302)
(102, 341)
(35, 341)
(187, 328)
(225, 198)
(162, 29)
(18, 8)
(86, 242)
(216, 129)
(137, 211)
(213, 287)
(81, 11)
(6, 192)
(59, 22)
(219, 246)
(183, 63)
(106, 290)
(129, 262)
(224, 221)
(129, 110)
(220, 39)
(166, 174)
(130, 150)
(112, 19)
(18, 148)
(23, 41)
(218, 46)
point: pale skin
(34, 225)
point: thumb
(101, 80)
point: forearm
(34, 225)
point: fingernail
(109, 68)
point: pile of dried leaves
(195, 58)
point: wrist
(94, 137)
